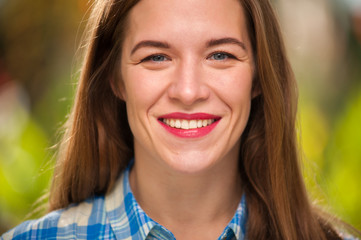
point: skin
(189, 185)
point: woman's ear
(118, 88)
(256, 91)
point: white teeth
(192, 124)
(205, 123)
(185, 124)
(172, 122)
(188, 124)
(177, 123)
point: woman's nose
(188, 84)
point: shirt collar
(128, 220)
(238, 223)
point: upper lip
(191, 116)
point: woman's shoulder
(78, 221)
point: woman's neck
(187, 203)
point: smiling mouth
(187, 124)
(184, 125)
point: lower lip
(190, 133)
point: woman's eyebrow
(228, 40)
(210, 43)
(149, 43)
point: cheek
(239, 100)
(235, 87)
(141, 88)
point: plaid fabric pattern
(114, 216)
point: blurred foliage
(332, 159)
(23, 173)
(324, 44)
(38, 41)
(343, 162)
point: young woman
(183, 127)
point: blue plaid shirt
(114, 216)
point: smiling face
(186, 76)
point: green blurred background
(39, 67)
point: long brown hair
(98, 143)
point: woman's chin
(192, 164)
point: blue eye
(158, 58)
(155, 58)
(219, 56)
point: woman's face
(186, 76)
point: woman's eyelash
(218, 56)
(155, 58)
(221, 56)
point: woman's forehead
(186, 20)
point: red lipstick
(189, 125)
